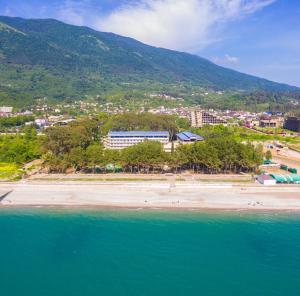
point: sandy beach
(192, 195)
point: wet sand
(151, 195)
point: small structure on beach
(286, 179)
(266, 179)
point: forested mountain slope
(49, 58)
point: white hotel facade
(121, 140)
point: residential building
(199, 118)
(120, 140)
(5, 111)
(41, 122)
(252, 123)
(292, 123)
(63, 122)
(275, 122)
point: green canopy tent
(286, 179)
(114, 168)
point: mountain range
(45, 57)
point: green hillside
(49, 58)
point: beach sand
(151, 195)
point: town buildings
(5, 111)
(269, 121)
(252, 123)
(199, 118)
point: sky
(258, 37)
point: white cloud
(75, 12)
(70, 13)
(5, 11)
(188, 25)
(231, 59)
(226, 60)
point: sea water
(128, 252)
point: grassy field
(10, 171)
(243, 134)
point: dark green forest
(47, 58)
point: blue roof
(189, 137)
(144, 134)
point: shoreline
(151, 195)
(150, 209)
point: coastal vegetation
(21, 148)
(10, 171)
(242, 134)
(77, 147)
(144, 122)
(216, 156)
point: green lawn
(9, 171)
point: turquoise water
(62, 252)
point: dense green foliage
(257, 101)
(78, 144)
(222, 154)
(7, 123)
(144, 122)
(48, 58)
(242, 134)
(77, 147)
(20, 149)
(9, 171)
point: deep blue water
(124, 252)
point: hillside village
(266, 122)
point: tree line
(13, 122)
(20, 149)
(77, 147)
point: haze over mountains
(51, 58)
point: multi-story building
(292, 123)
(252, 123)
(271, 122)
(120, 140)
(199, 117)
(5, 111)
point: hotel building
(121, 140)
